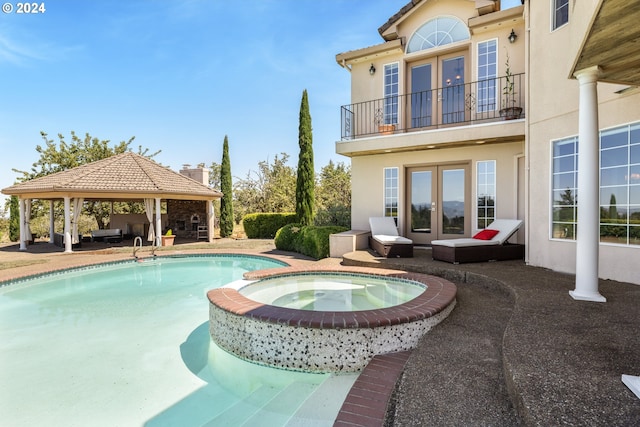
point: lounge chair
(385, 239)
(489, 244)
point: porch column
(158, 224)
(68, 245)
(588, 205)
(52, 223)
(211, 221)
(23, 232)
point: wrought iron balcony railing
(501, 98)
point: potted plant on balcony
(510, 110)
(383, 128)
(168, 238)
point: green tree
(333, 195)
(305, 184)
(613, 209)
(66, 155)
(270, 189)
(226, 204)
(14, 219)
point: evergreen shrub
(265, 225)
(308, 240)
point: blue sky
(179, 75)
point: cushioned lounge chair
(489, 244)
(385, 239)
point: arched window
(438, 32)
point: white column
(52, 223)
(588, 233)
(158, 224)
(211, 221)
(23, 232)
(68, 245)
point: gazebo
(122, 177)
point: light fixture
(372, 70)
(513, 36)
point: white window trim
(550, 189)
(495, 187)
(552, 17)
(384, 191)
(384, 95)
(477, 75)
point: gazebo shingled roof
(123, 176)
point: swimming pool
(128, 344)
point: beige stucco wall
(553, 114)
(367, 186)
(552, 107)
(365, 87)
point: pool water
(332, 292)
(127, 344)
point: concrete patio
(517, 349)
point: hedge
(265, 225)
(308, 240)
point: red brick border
(438, 295)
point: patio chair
(490, 244)
(385, 239)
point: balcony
(466, 104)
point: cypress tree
(14, 219)
(226, 203)
(305, 185)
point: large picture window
(619, 186)
(486, 192)
(391, 192)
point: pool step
(298, 404)
(321, 408)
(282, 406)
(266, 406)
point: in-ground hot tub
(326, 320)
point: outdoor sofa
(490, 244)
(107, 235)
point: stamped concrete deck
(517, 349)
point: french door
(437, 91)
(438, 202)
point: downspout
(527, 141)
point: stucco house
(468, 111)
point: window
(487, 74)
(486, 192)
(438, 32)
(560, 13)
(391, 192)
(619, 186)
(564, 188)
(390, 94)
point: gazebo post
(158, 237)
(52, 223)
(23, 232)
(68, 245)
(211, 215)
